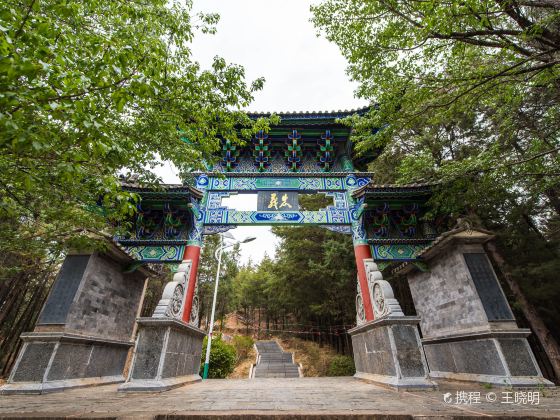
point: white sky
(274, 39)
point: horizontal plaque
(278, 201)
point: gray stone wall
(166, 352)
(478, 357)
(445, 297)
(33, 362)
(84, 334)
(498, 357)
(373, 353)
(388, 351)
(64, 290)
(167, 355)
(50, 361)
(87, 360)
(107, 301)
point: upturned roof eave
(309, 115)
(162, 188)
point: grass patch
(314, 359)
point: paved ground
(308, 398)
(273, 362)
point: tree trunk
(550, 345)
(259, 325)
(554, 198)
(14, 295)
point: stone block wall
(84, 332)
(107, 301)
(469, 332)
(445, 297)
(167, 355)
(388, 351)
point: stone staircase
(273, 362)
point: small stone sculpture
(381, 295)
(360, 311)
(173, 297)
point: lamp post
(218, 256)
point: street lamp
(218, 256)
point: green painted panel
(399, 252)
(277, 183)
(236, 217)
(156, 253)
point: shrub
(222, 358)
(243, 345)
(341, 366)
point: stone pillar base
(388, 352)
(501, 358)
(50, 362)
(167, 355)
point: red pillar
(363, 252)
(192, 252)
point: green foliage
(222, 358)
(465, 91)
(312, 281)
(467, 96)
(243, 345)
(341, 366)
(91, 89)
(207, 278)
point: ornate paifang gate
(305, 153)
(83, 334)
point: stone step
(277, 365)
(265, 358)
(277, 375)
(273, 362)
(277, 370)
(268, 346)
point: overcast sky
(274, 39)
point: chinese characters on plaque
(278, 201)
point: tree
(467, 95)
(88, 89)
(207, 278)
(311, 285)
(462, 89)
(320, 283)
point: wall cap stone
(517, 333)
(444, 243)
(57, 386)
(388, 320)
(58, 336)
(169, 322)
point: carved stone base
(167, 355)
(501, 358)
(50, 362)
(388, 352)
